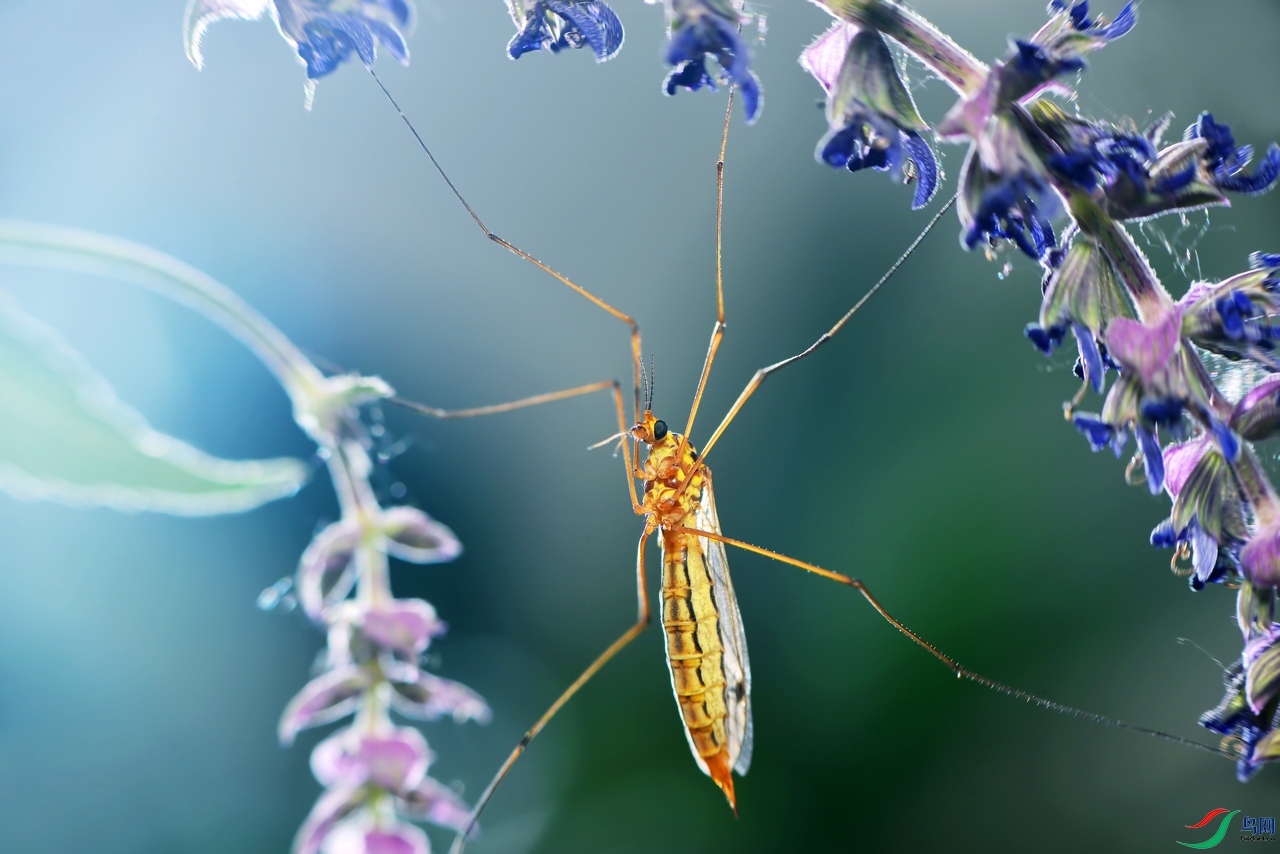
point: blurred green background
(924, 450)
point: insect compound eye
(659, 431)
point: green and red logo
(1219, 835)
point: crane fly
(705, 643)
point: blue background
(923, 450)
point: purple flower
(1005, 193)
(1160, 379)
(360, 837)
(872, 120)
(1257, 415)
(709, 28)
(395, 760)
(1083, 293)
(1261, 555)
(557, 25)
(424, 696)
(433, 802)
(404, 626)
(1132, 178)
(327, 570)
(1259, 739)
(329, 697)
(1233, 317)
(323, 32)
(1180, 461)
(333, 807)
(1032, 66)
(1261, 662)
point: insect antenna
(644, 381)
(652, 383)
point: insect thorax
(664, 476)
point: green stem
(1149, 296)
(961, 69)
(55, 247)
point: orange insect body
(705, 645)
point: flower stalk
(375, 772)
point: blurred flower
(557, 25)
(1159, 379)
(1227, 163)
(1208, 519)
(1261, 556)
(709, 28)
(323, 32)
(1005, 193)
(1135, 179)
(1081, 293)
(1258, 737)
(328, 570)
(872, 120)
(1232, 317)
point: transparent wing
(737, 667)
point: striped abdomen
(695, 655)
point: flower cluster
(324, 33)
(1031, 163)
(697, 30)
(374, 771)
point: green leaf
(64, 436)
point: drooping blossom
(323, 33)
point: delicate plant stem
(55, 247)
(961, 69)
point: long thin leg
(495, 409)
(634, 327)
(453, 414)
(763, 374)
(717, 333)
(642, 621)
(951, 664)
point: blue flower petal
(595, 22)
(752, 100)
(1089, 354)
(1163, 536)
(401, 10)
(1152, 459)
(1260, 181)
(356, 29)
(1045, 340)
(330, 38)
(531, 38)
(837, 146)
(1121, 26)
(1165, 412)
(1227, 440)
(1098, 432)
(690, 74)
(390, 38)
(1204, 551)
(1171, 184)
(926, 168)
(711, 35)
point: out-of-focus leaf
(64, 436)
